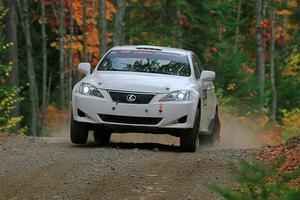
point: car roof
(153, 48)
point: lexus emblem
(131, 98)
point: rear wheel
(102, 135)
(78, 132)
(189, 142)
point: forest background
(254, 47)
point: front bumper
(165, 115)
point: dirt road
(150, 168)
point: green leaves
(9, 94)
(260, 180)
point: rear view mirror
(207, 76)
(84, 68)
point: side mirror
(207, 76)
(84, 68)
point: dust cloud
(233, 136)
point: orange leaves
(289, 70)
(273, 136)
(92, 30)
(208, 53)
(284, 12)
(214, 49)
(92, 13)
(293, 3)
(247, 69)
(291, 150)
(110, 10)
(55, 117)
(183, 21)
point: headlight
(88, 89)
(177, 96)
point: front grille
(122, 97)
(130, 120)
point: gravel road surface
(150, 168)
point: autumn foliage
(55, 116)
(91, 29)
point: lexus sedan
(146, 89)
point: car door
(211, 96)
(202, 87)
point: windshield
(146, 61)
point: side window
(200, 64)
(196, 67)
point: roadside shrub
(225, 104)
(291, 123)
(8, 99)
(261, 180)
(235, 74)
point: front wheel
(102, 135)
(189, 142)
(78, 132)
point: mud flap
(218, 129)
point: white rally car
(146, 89)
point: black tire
(102, 135)
(189, 142)
(78, 132)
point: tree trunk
(84, 18)
(272, 63)
(11, 35)
(119, 23)
(237, 28)
(94, 10)
(45, 61)
(71, 54)
(102, 27)
(179, 31)
(61, 54)
(260, 53)
(219, 24)
(33, 92)
(298, 29)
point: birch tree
(102, 27)
(260, 53)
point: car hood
(140, 82)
